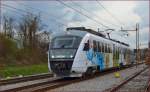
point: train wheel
(83, 76)
(90, 71)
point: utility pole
(137, 42)
(149, 40)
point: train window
(123, 51)
(99, 47)
(110, 48)
(102, 47)
(116, 49)
(77, 42)
(113, 48)
(86, 46)
(94, 45)
(119, 49)
(106, 48)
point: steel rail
(147, 87)
(52, 85)
(56, 82)
(25, 78)
(148, 84)
(117, 87)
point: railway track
(26, 78)
(122, 88)
(148, 87)
(43, 83)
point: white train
(83, 51)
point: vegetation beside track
(23, 48)
(13, 71)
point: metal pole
(138, 44)
(136, 47)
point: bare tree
(28, 28)
(8, 26)
(44, 39)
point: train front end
(62, 51)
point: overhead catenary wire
(13, 11)
(50, 14)
(82, 14)
(24, 11)
(114, 17)
(93, 14)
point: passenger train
(84, 51)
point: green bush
(8, 49)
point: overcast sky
(95, 14)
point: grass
(13, 71)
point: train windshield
(64, 46)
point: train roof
(77, 31)
(95, 33)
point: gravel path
(100, 83)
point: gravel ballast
(138, 84)
(101, 83)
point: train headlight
(53, 56)
(71, 56)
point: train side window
(86, 46)
(94, 45)
(110, 48)
(102, 47)
(99, 47)
(113, 49)
(116, 50)
(119, 49)
(106, 50)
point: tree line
(23, 41)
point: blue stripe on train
(99, 58)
